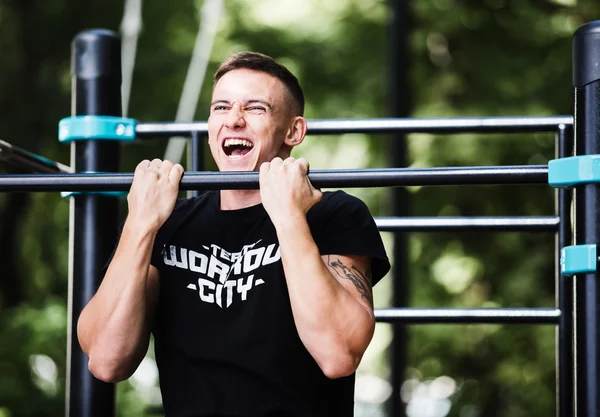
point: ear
(296, 132)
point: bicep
(353, 272)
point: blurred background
(461, 58)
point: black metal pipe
(487, 224)
(468, 315)
(196, 154)
(399, 100)
(522, 174)
(564, 287)
(195, 157)
(586, 80)
(30, 161)
(96, 72)
(386, 125)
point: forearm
(113, 328)
(335, 328)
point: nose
(235, 118)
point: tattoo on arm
(361, 281)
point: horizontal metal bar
(468, 315)
(340, 126)
(528, 174)
(29, 161)
(429, 224)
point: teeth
(236, 141)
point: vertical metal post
(399, 105)
(586, 80)
(196, 157)
(564, 287)
(96, 83)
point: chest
(216, 266)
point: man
(260, 301)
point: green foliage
(467, 58)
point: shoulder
(339, 197)
(343, 225)
(339, 202)
(342, 209)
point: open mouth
(236, 147)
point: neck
(239, 199)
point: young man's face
(249, 120)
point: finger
(277, 161)
(175, 173)
(264, 168)
(289, 161)
(303, 162)
(156, 163)
(303, 165)
(165, 167)
(143, 164)
(276, 165)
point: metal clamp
(578, 259)
(96, 128)
(574, 170)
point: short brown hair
(263, 63)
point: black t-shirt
(225, 339)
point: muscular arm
(114, 328)
(330, 296)
(331, 300)
(358, 281)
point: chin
(243, 166)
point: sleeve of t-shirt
(347, 228)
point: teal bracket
(578, 259)
(96, 128)
(574, 170)
(118, 194)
